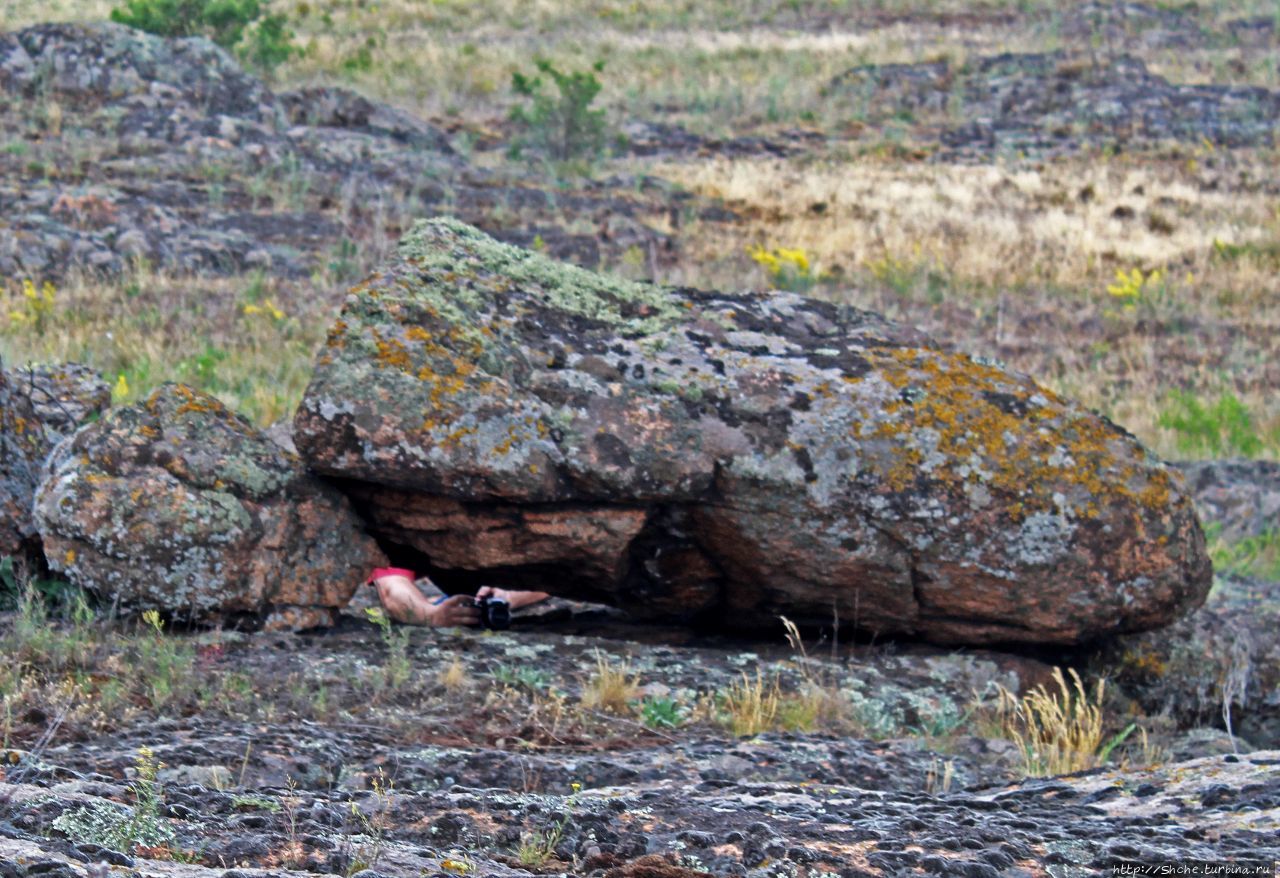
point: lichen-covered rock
(104, 60)
(62, 396)
(178, 504)
(329, 107)
(1054, 102)
(728, 458)
(1223, 656)
(22, 450)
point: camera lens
(497, 615)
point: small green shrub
(1222, 428)
(531, 679)
(121, 827)
(661, 713)
(399, 667)
(537, 848)
(362, 60)
(164, 665)
(235, 25)
(223, 21)
(561, 124)
(1257, 555)
(35, 637)
(269, 43)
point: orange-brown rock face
(730, 458)
(179, 505)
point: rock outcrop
(22, 450)
(1241, 496)
(1223, 657)
(1051, 102)
(178, 504)
(200, 169)
(728, 458)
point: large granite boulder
(104, 60)
(180, 505)
(22, 450)
(727, 458)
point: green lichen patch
(463, 269)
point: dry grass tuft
(612, 688)
(1061, 731)
(750, 706)
(454, 678)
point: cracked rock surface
(22, 448)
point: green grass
(215, 334)
(1255, 556)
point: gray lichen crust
(733, 456)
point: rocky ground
(440, 780)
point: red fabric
(380, 572)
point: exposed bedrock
(179, 505)
(725, 458)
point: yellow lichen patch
(337, 334)
(193, 403)
(391, 354)
(1146, 663)
(1158, 491)
(1027, 444)
(455, 437)
(442, 386)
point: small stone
(132, 244)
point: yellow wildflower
(267, 307)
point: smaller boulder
(1242, 497)
(22, 450)
(180, 505)
(1224, 655)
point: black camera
(495, 613)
